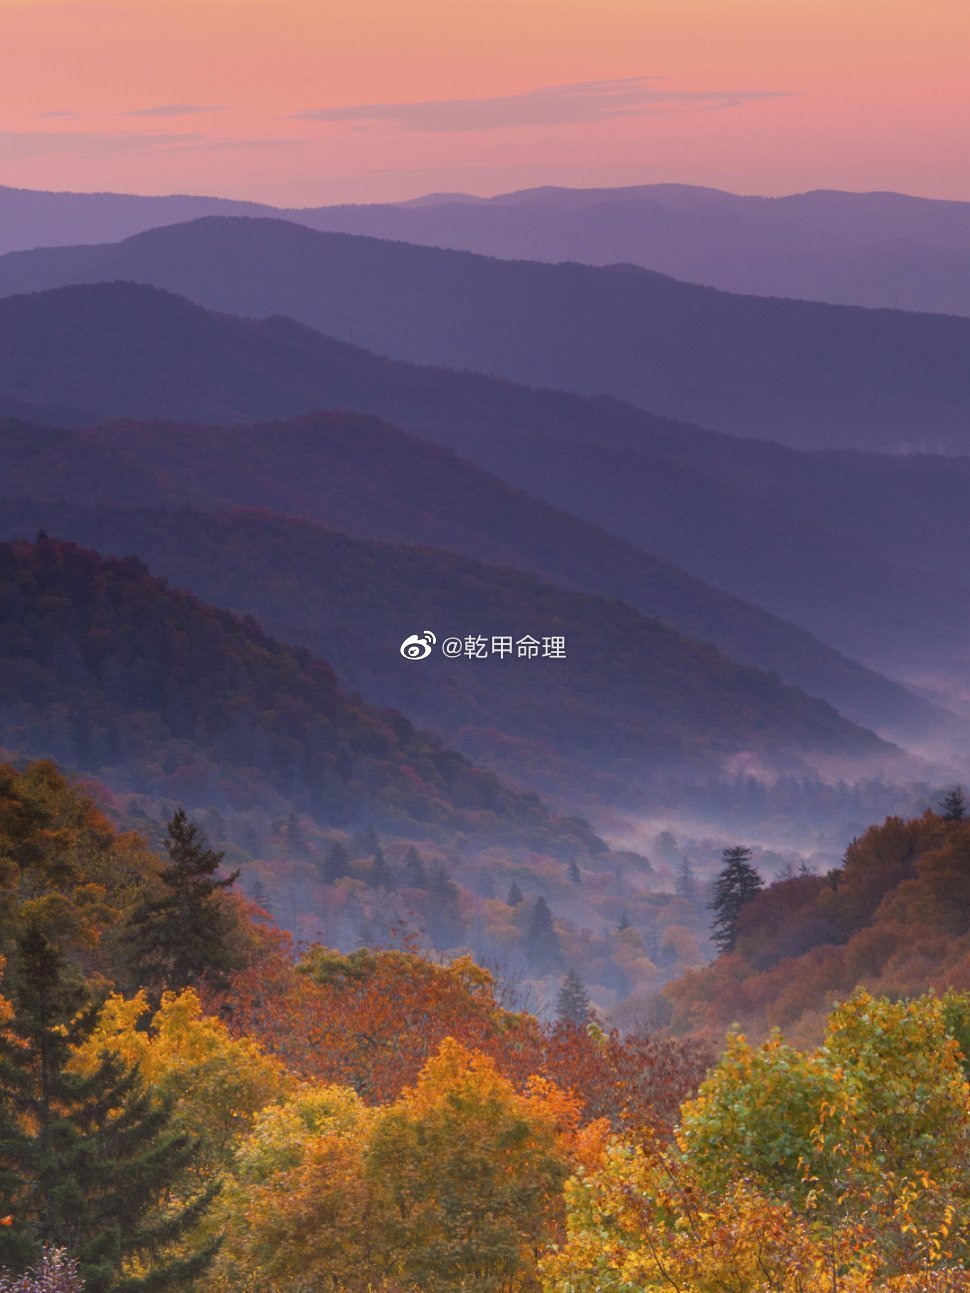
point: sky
(307, 102)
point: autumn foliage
(379, 1122)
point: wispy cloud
(15, 143)
(175, 110)
(551, 105)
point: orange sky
(310, 101)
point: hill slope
(632, 703)
(799, 372)
(848, 547)
(108, 670)
(322, 468)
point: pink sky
(311, 101)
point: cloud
(551, 105)
(15, 144)
(174, 110)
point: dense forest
(895, 916)
(188, 1100)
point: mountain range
(111, 671)
(850, 547)
(631, 703)
(874, 249)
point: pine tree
(572, 1003)
(380, 876)
(87, 1158)
(336, 864)
(953, 805)
(415, 872)
(542, 941)
(625, 923)
(516, 897)
(182, 936)
(447, 924)
(686, 884)
(737, 883)
(575, 875)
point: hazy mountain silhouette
(875, 249)
(852, 547)
(632, 701)
(112, 672)
(802, 373)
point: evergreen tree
(447, 925)
(336, 864)
(182, 936)
(572, 1003)
(953, 805)
(686, 884)
(415, 872)
(737, 883)
(542, 941)
(380, 876)
(516, 897)
(575, 875)
(87, 1158)
(624, 924)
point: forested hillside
(631, 704)
(189, 1103)
(847, 547)
(894, 917)
(804, 373)
(108, 669)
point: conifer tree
(336, 864)
(415, 872)
(182, 936)
(380, 876)
(686, 883)
(737, 883)
(516, 897)
(87, 1157)
(953, 805)
(575, 875)
(572, 1003)
(542, 941)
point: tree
(466, 1177)
(542, 941)
(336, 864)
(572, 1003)
(380, 876)
(516, 897)
(181, 936)
(88, 1157)
(415, 872)
(736, 885)
(953, 805)
(575, 875)
(686, 883)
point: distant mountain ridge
(112, 672)
(631, 703)
(848, 546)
(875, 249)
(805, 374)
